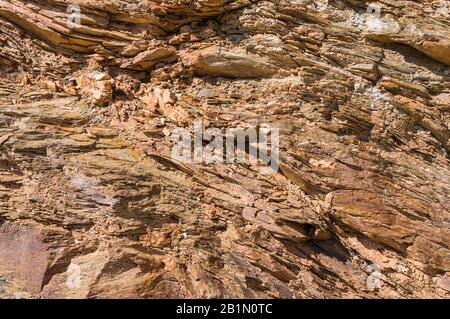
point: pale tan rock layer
(88, 186)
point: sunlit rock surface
(92, 205)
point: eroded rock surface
(92, 205)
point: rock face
(92, 204)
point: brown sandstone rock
(92, 205)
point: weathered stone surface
(229, 63)
(93, 206)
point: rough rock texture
(360, 91)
